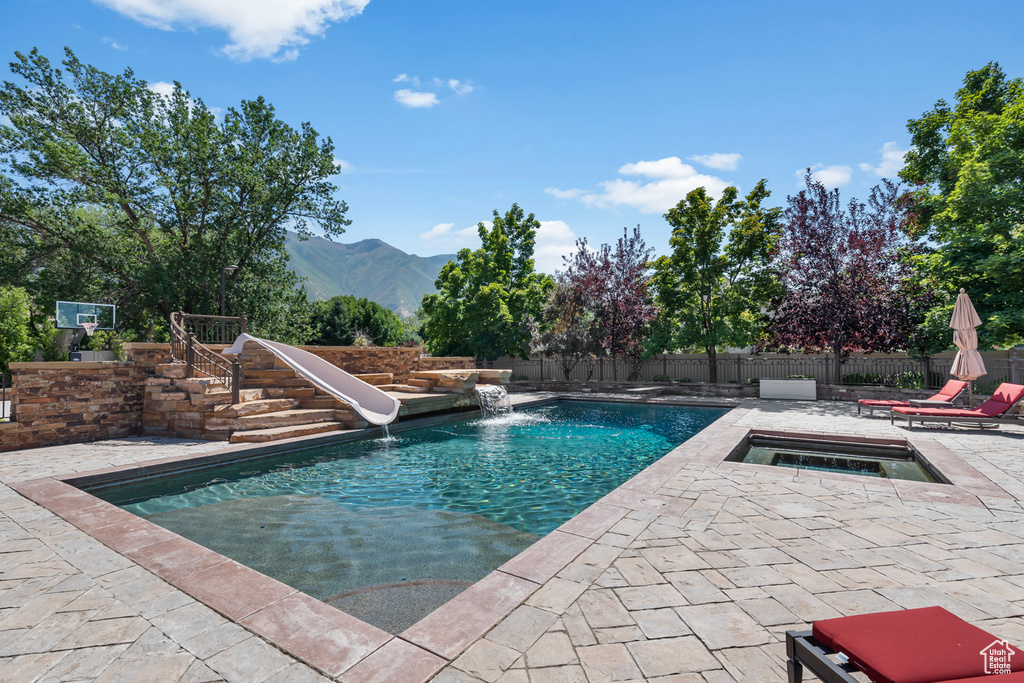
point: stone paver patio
(697, 574)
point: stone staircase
(276, 403)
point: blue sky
(593, 115)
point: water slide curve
(375, 406)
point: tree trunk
(712, 365)
(837, 377)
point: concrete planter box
(791, 389)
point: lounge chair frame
(803, 650)
(1007, 418)
(954, 402)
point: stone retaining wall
(427, 363)
(57, 403)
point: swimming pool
(389, 529)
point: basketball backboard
(71, 315)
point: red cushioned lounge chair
(950, 393)
(927, 645)
(997, 410)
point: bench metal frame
(803, 650)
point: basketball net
(90, 328)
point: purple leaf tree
(615, 282)
(846, 272)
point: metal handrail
(187, 347)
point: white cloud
(670, 180)
(669, 167)
(343, 166)
(272, 29)
(829, 176)
(438, 230)
(564, 194)
(891, 161)
(162, 88)
(555, 239)
(724, 162)
(416, 99)
(428, 90)
(114, 44)
(444, 238)
(460, 87)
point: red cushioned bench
(948, 396)
(927, 645)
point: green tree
(710, 289)
(487, 299)
(569, 329)
(968, 163)
(144, 197)
(339, 321)
(14, 326)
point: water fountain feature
(493, 399)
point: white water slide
(374, 405)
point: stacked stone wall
(425, 363)
(147, 356)
(399, 361)
(58, 403)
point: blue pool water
(388, 529)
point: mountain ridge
(369, 268)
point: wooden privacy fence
(904, 373)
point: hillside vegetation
(369, 269)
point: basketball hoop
(90, 328)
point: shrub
(14, 322)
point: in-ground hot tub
(877, 458)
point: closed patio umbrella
(967, 364)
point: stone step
(270, 373)
(260, 407)
(285, 418)
(276, 433)
(300, 392)
(405, 388)
(318, 402)
(414, 382)
(254, 382)
(223, 397)
(376, 378)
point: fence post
(739, 369)
(927, 372)
(600, 369)
(236, 380)
(542, 368)
(1015, 369)
(243, 323)
(664, 365)
(190, 355)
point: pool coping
(348, 649)
(334, 643)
